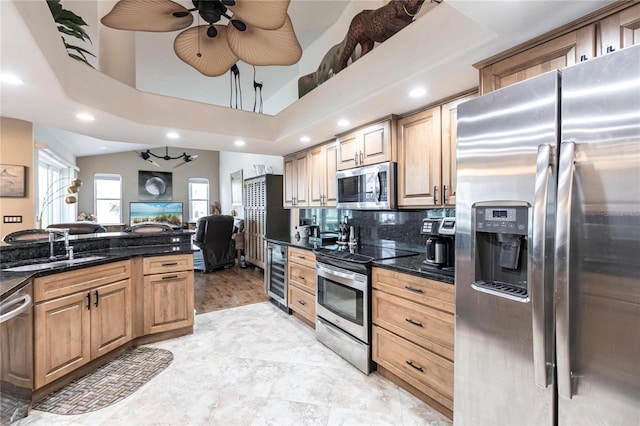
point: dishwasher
(16, 344)
(275, 278)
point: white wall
(127, 164)
(231, 162)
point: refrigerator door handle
(536, 272)
(566, 169)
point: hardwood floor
(228, 288)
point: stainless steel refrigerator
(548, 249)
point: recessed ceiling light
(102, 147)
(417, 92)
(10, 79)
(343, 123)
(305, 139)
(239, 142)
(173, 135)
(85, 116)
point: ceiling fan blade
(257, 46)
(147, 15)
(265, 14)
(216, 57)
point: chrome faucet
(67, 248)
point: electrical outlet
(12, 219)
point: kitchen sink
(52, 264)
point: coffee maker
(440, 245)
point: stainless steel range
(343, 299)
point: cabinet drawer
(162, 264)
(422, 290)
(57, 285)
(302, 302)
(302, 277)
(426, 371)
(302, 257)
(427, 327)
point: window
(108, 202)
(53, 179)
(198, 198)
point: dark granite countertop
(408, 265)
(111, 247)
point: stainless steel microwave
(367, 188)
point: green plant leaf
(68, 15)
(55, 7)
(79, 50)
(79, 58)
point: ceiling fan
(147, 156)
(261, 32)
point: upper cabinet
(295, 180)
(594, 35)
(371, 144)
(427, 156)
(322, 161)
(619, 30)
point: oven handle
(349, 279)
(24, 303)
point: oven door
(342, 299)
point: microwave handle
(376, 189)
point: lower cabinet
(90, 318)
(413, 333)
(301, 283)
(168, 293)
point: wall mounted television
(155, 211)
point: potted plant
(70, 24)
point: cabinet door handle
(169, 277)
(444, 194)
(170, 264)
(302, 302)
(361, 158)
(410, 321)
(97, 298)
(355, 159)
(301, 277)
(417, 367)
(89, 301)
(435, 194)
(413, 289)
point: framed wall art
(157, 186)
(12, 181)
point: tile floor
(255, 365)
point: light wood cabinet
(613, 28)
(16, 335)
(419, 158)
(301, 283)
(295, 185)
(427, 143)
(168, 293)
(449, 117)
(374, 143)
(79, 316)
(413, 333)
(619, 30)
(322, 161)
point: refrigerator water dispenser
(501, 249)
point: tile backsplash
(401, 226)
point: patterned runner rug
(108, 384)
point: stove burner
(363, 255)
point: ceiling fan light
(211, 31)
(147, 15)
(211, 56)
(265, 14)
(257, 46)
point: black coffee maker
(440, 245)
